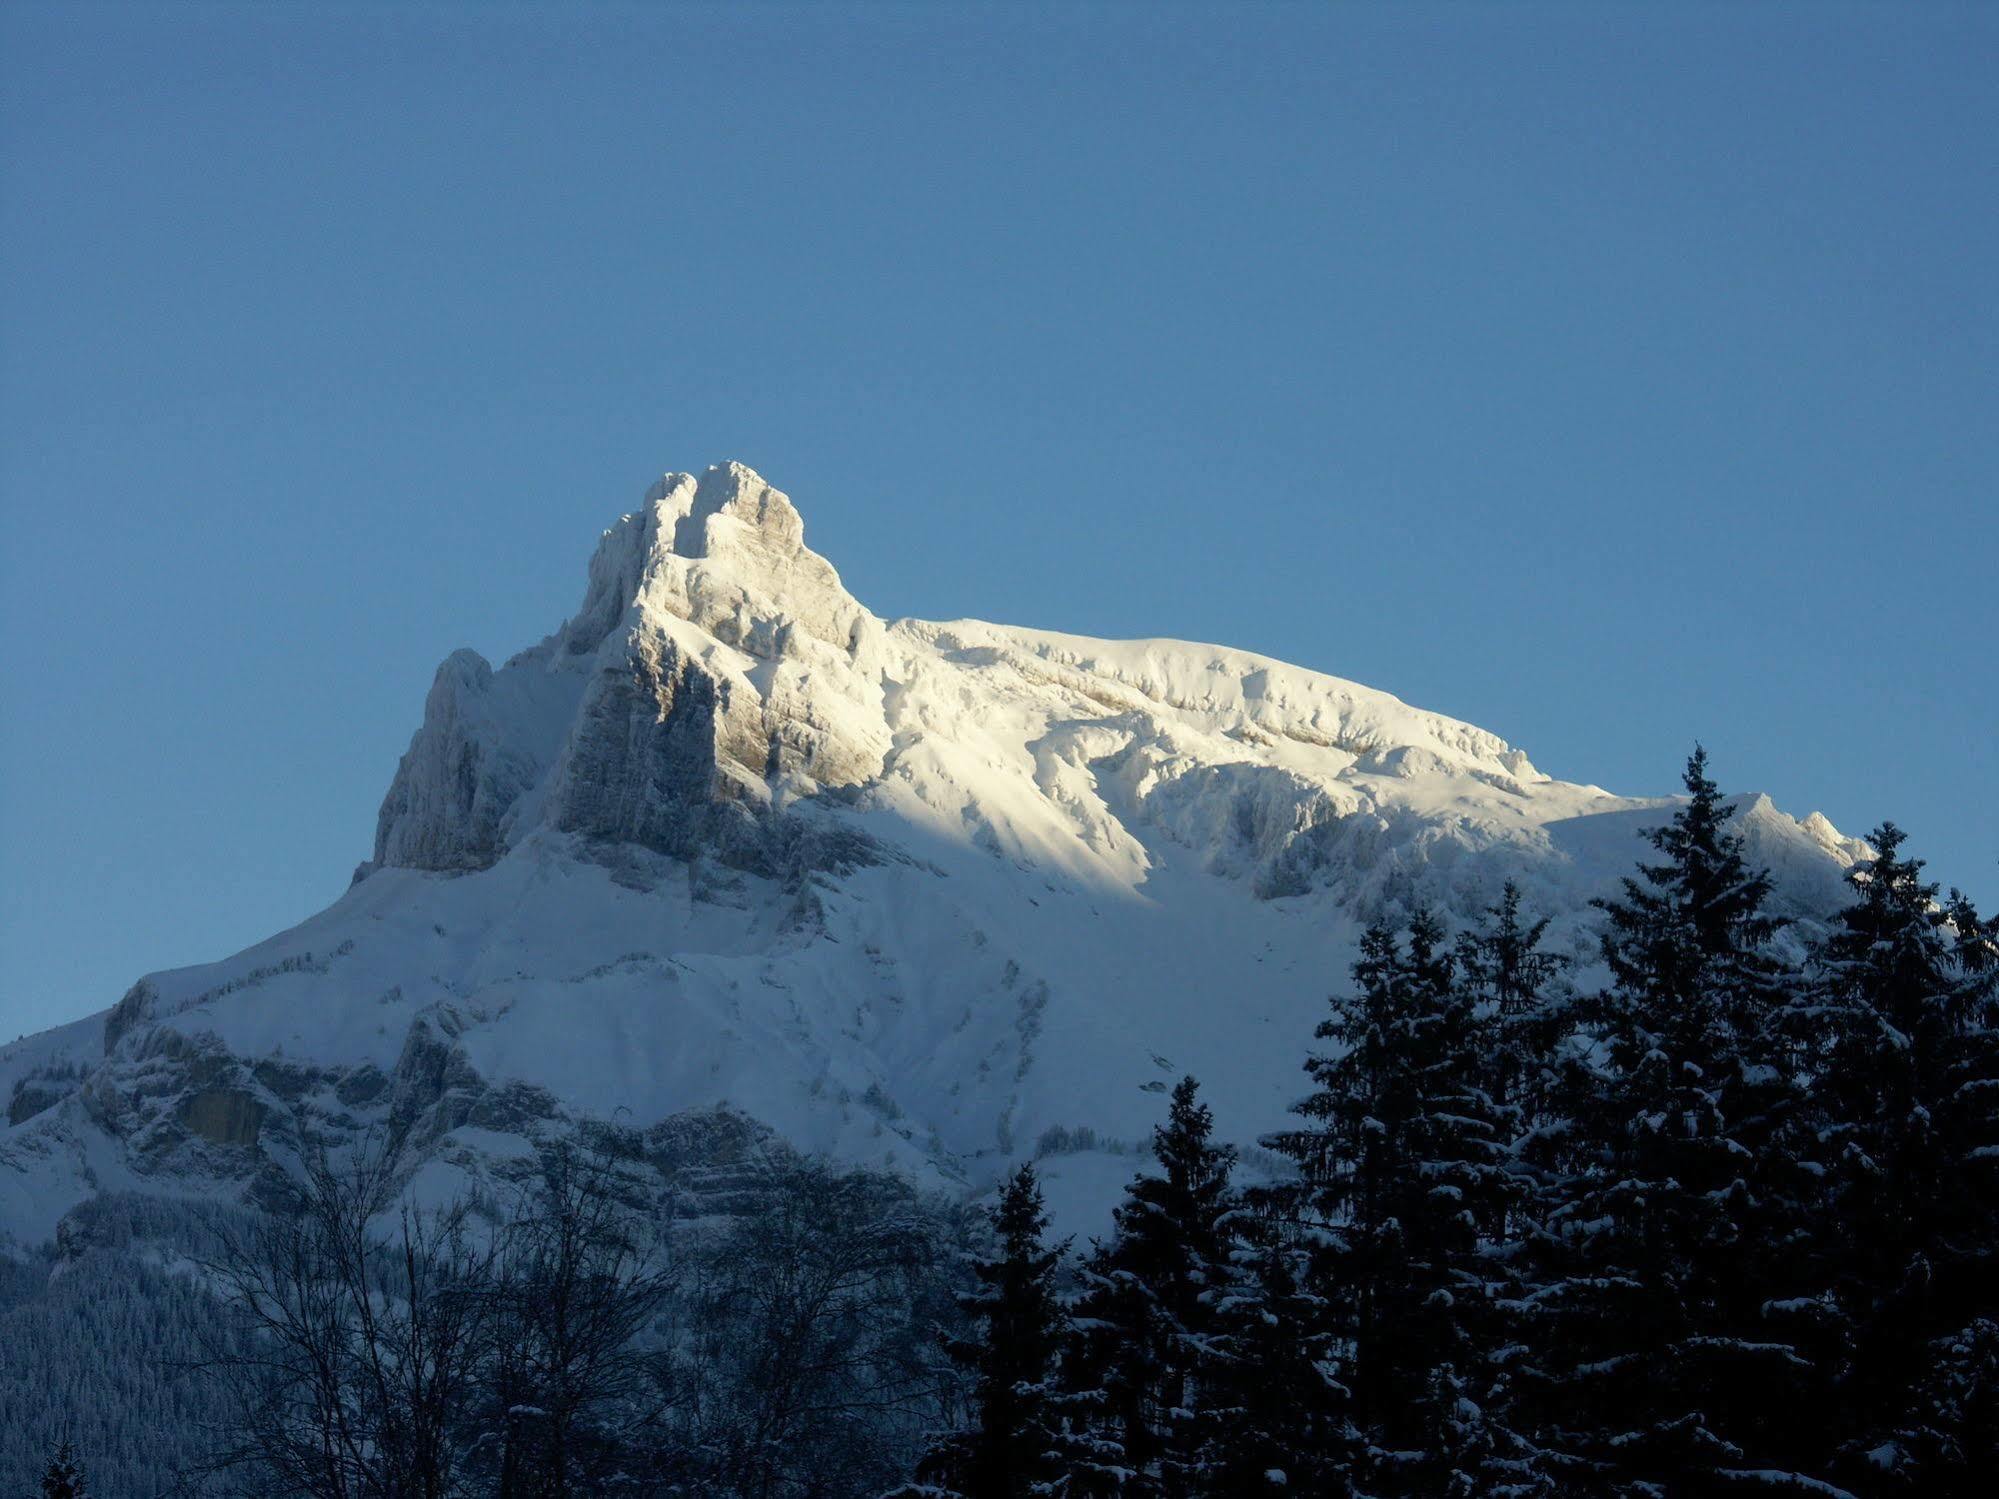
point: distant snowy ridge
(935, 895)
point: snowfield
(941, 896)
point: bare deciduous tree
(357, 1351)
(817, 1347)
(560, 1347)
(574, 1379)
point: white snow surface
(941, 896)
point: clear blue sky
(1606, 375)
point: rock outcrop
(715, 671)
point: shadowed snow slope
(933, 895)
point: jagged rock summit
(715, 670)
(718, 671)
(728, 848)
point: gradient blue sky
(1605, 375)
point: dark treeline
(1724, 1220)
(1726, 1223)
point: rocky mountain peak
(740, 493)
(702, 549)
(716, 662)
(940, 894)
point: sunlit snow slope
(937, 895)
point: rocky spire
(671, 709)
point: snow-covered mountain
(728, 847)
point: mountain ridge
(934, 895)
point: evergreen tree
(64, 1479)
(1527, 1011)
(1014, 1449)
(1515, 981)
(1908, 1094)
(1977, 953)
(1148, 1334)
(1283, 1413)
(1668, 1187)
(1404, 1169)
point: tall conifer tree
(1014, 1448)
(1516, 982)
(1403, 1166)
(1148, 1327)
(1285, 1423)
(1527, 1010)
(1908, 1094)
(1668, 1374)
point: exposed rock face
(728, 555)
(650, 760)
(134, 1007)
(40, 1090)
(223, 1116)
(458, 781)
(716, 669)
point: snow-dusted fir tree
(1666, 1372)
(1284, 1417)
(1014, 1448)
(1525, 1015)
(1908, 1101)
(1403, 1167)
(1523, 1006)
(1147, 1348)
